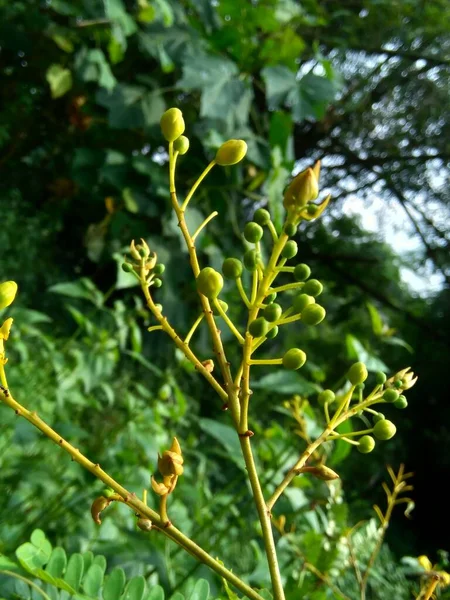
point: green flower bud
(8, 291)
(159, 307)
(357, 373)
(313, 314)
(209, 283)
(360, 387)
(380, 378)
(253, 232)
(312, 209)
(398, 383)
(290, 249)
(313, 287)
(271, 297)
(172, 124)
(378, 417)
(301, 272)
(302, 301)
(159, 269)
(326, 396)
(262, 216)
(272, 312)
(290, 229)
(366, 444)
(232, 268)
(165, 391)
(272, 333)
(294, 359)
(223, 305)
(390, 395)
(251, 259)
(258, 327)
(157, 282)
(231, 152)
(181, 145)
(127, 267)
(384, 430)
(401, 402)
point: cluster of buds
(170, 466)
(144, 259)
(8, 291)
(300, 194)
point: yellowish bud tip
(8, 291)
(5, 329)
(172, 124)
(231, 152)
(303, 188)
(425, 562)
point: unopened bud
(181, 145)
(5, 329)
(321, 472)
(231, 152)
(209, 283)
(172, 124)
(144, 524)
(8, 291)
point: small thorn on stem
(225, 406)
(248, 433)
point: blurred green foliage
(362, 85)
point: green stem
(273, 232)
(187, 339)
(287, 286)
(130, 499)
(228, 321)
(242, 293)
(28, 582)
(267, 361)
(197, 183)
(205, 222)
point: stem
(287, 286)
(28, 582)
(187, 339)
(228, 321)
(267, 361)
(205, 222)
(242, 293)
(130, 499)
(264, 517)
(197, 183)
(273, 232)
(430, 588)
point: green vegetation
(360, 86)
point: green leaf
(35, 554)
(280, 81)
(375, 317)
(82, 288)
(357, 351)
(129, 201)
(286, 382)
(57, 563)
(156, 593)
(74, 572)
(177, 596)
(100, 560)
(91, 65)
(227, 437)
(59, 80)
(8, 565)
(93, 580)
(135, 588)
(200, 591)
(114, 584)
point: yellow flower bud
(425, 563)
(181, 145)
(231, 152)
(303, 188)
(5, 329)
(159, 488)
(172, 124)
(8, 291)
(170, 463)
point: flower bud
(271, 298)
(272, 333)
(302, 301)
(301, 272)
(144, 524)
(172, 124)
(159, 269)
(380, 378)
(303, 189)
(326, 396)
(127, 267)
(8, 291)
(366, 444)
(313, 314)
(232, 268)
(258, 327)
(290, 229)
(321, 472)
(223, 305)
(378, 417)
(251, 260)
(231, 152)
(357, 373)
(384, 430)
(175, 447)
(253, 232)
(272, 312)
(290, 249)
(262, 216)
(209, 283)
(159, 488)
(181, 145)
(313, 287)
(5, 329)
(401, 402)
(170, 463)
(294, 359)
(157, 282)
(390, 395)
